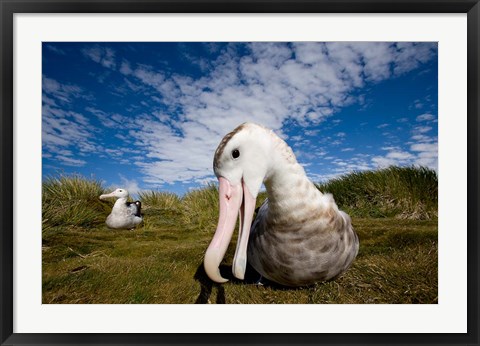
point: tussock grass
(160, 208)
(72, 200)
(200, 208)
(400, 192)
(159, 200)
(161, 261)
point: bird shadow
(252, 277)
(206, 288)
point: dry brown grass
(162, 264)
(161, 261)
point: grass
(161, 261)
(400, 192)
(72, 201)
(200, 208)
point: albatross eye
(235, 154)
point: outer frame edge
(8, 8)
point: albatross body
(299, 235)
(124, 214)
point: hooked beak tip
(211, 266)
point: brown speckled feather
(301, 253)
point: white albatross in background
(299, 236)
(124, 214)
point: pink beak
(233, 198)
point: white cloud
(125, 68)
(115, 120)
(422, 129)
(62, 129)
(427, 154)
(399, 155)
(409, 56)
(311, 132)
(61, 92)
(102, 55)
(131, 185)
(55, 49)
(425, 147)
(68, 161)
(268, 83)
(423, 151)
(394, 157)
(68, 135)
(177, 157)
(340, 162)
(421, 138)
(418, 104)
(114, 152)
(425, 117)
(390, 148)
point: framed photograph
(342, 136)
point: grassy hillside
(72, 200)
(400, 192)
(161, 261)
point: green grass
(200, 208)
(400, 192)
(161, 261)
(72, 201)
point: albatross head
(118, 193)
(241, 162)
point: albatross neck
(120, 201)
(288, 187)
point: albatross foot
(260, 281)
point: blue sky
(150, 115)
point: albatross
(299, 235)
(124, 214)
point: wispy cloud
(69, 136)
(102, 55)
(423, 103)
(64, 129)
(425, 117)
(60, 92)
(303, 84)
(131, 185)
(114, 121)
(422, 129)
(69, 161)
(55, 49)
(394, 156)
(274, 82)
(422, 149)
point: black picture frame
(9, 7)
